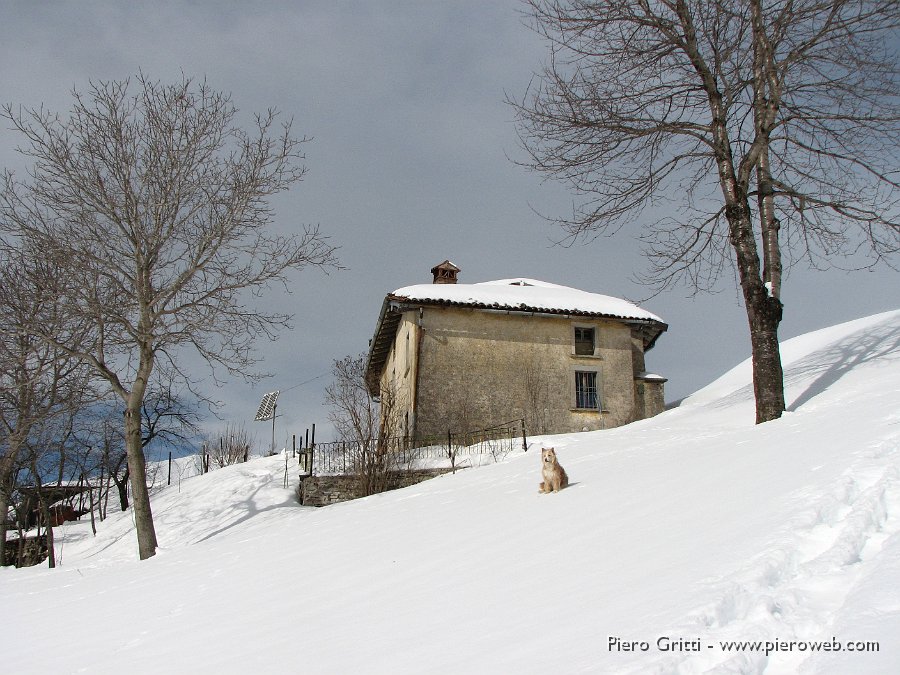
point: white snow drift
(692, 542)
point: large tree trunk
(769, 227)
(766, 101)
(763, 310)
(140, 495)
(763, 314)
(4, 509)
(7, 465)
(134, 451)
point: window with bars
(586, 391)
(584, 341)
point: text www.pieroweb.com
(767, 647)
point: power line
(317, 377)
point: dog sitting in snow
(555, 478)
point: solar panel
(267, 407)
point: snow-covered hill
(679, 537)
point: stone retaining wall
(325, 490)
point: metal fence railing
(401, 453)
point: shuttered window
(584, 341)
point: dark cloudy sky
(410, 163)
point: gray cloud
(409, 164)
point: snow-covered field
(679, 537)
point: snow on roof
(525, 294)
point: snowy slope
(696, 527)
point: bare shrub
(231, 446)
(365, 425)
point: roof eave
(379, 345)
(409, 303)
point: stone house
(458, 356)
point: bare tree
(48, 452)
(110, 443)
(38, 381)
(772, 126)
(157, 206)
(166, 418)
(367, 428)
(353, 413)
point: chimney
(445, 273)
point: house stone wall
(398, 379)
(649, 397)
(480, 368)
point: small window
(408, 354)
(586, 391)
(584, 341)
